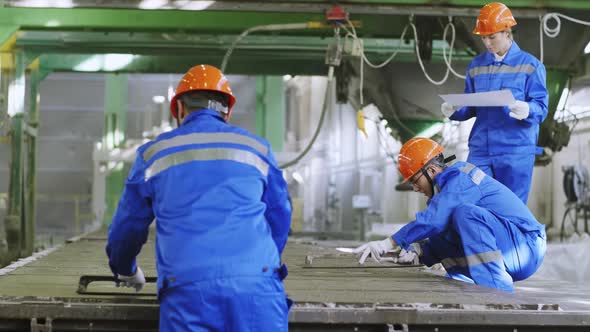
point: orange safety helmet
(415, 154)
(203, 77)
(493, 17)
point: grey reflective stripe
(471, 260)
(503, 69)
(203, 138)
(467, 168)
(477, 176)
(181, 157)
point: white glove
(373, 248)
(410, 256)
(447, 109)
(136, 281)
(519, 110)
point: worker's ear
(432, 171)
(181, 111)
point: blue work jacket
(219, 199)
(460, 184)
(494, 131)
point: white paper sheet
(346, 250)
(491, 98)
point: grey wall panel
(245, 121)
(59, 154)
(4, 156)
(244, 89)
(138, 122)
(142, 89)
(72, 120)
(4, 180)
(64, 183)
(80, 125)
(77, 91)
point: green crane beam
(353, 6)
(223, 22)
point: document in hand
(491, 98)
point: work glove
(447, 109)
(519, 110)
(375, 249)
(135, 281)
(410, 256)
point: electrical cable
(269, 27)
(325, 106)
(553, 32)
(327, 102)
(444, 79)
(364, 56)
(327, 98)
(364, 59)
(448, 61)
(361, 67)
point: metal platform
(331, 293)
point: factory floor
(329, 288)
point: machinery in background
(576, 185)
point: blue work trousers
(240, 304)
(515, 171)
(479, 247)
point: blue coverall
(500, 145)
(223, 216)
(478, 229)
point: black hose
(327, 101)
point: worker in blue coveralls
(475, 226)
(503, 141)
(222, 215)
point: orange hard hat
(415, 154)
(493, 17)
(203, 77)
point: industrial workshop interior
(388, 165)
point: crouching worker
(223, 217)
(476, 227)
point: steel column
(114, 135)
(31, 176)
(270, 110)
(14, 220)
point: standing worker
(475, 226)
(223, 215)
(503, 141)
